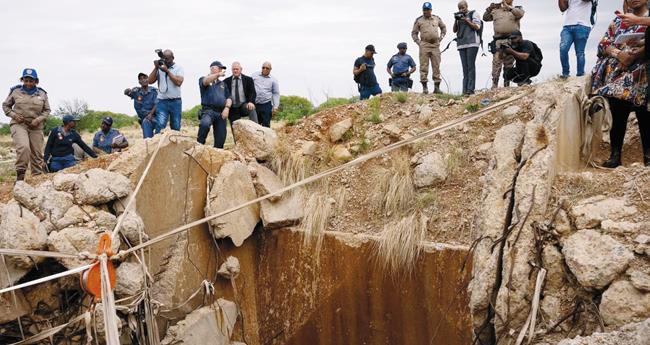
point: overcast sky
(93, 50)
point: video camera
(460, 15)
(161, 62)
(504, 46)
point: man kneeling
(528, 59)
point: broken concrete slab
(19, 229)
(267, 182)
(55, 204)
(254, 139)
(595, 259)
(233, 186)
(215, 322)
(65, 182)
(76, 216)
(430, 170)
(230, 268)
(10, 311)
(74, 241)
(284, 213)
(640, 279)
(630, 334)
(27, 196)
(133, 228)
(98, 186)
(589, 213)
(130, 279)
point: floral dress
(609, 78)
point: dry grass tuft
(399, 244)
(290, 166)
(395, 191)
(318, 210)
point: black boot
(437, 88)
(20, 175)
(614, 159)
(425, 89)
(646, 158)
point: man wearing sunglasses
(267, 92)
(28, 107)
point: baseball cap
(68, 118)
(140, 75)
(30, 72)
(401, 45)
(107, 120)
(515, 33)
(427, 6)
(371, 48)
(218, 64)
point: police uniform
(213, 101)
(143, 102)
(400, 65)
(427, 33)
(505, 22)
(31, 104)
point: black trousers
(620, 112)
(523, 71)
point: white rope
(52, 331)
(48, 278)
(326, 173)
(108, 305)
(39, 253)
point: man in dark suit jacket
(242, 92)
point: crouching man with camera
(506, 18)
(169, 76)
(528, 59)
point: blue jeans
(400, 84)
(212, 118)
(468, 60)
(168, 109)
(264, 112)
(578, 35)
(60, 163)
(366, 91)
(148, 128)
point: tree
(75, 107)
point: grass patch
(395, 190)
(427, 198)
(472, 108)
(191, 116)
(290, 166)
(374, 110)
(335, 102)
(91, 121)
(448, 96)
(399, 244)
(349, 134)
(401, 97)
(318, 210)
(456, 160)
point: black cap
(140, 75)
(401, 45)
(218, 64)
(515, 33)
(371, 49)
(108, 120)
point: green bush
(293, 108)
(92, 120)
(191, 116)
(5, 129)
(401, 97)
(334, 102)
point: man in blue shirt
(59, 150)
(364, 74)
(144, 102)
(107, 139)
(400, 67)
(169, 76)
(215, 105)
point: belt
(212, 107)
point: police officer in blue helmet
(59, 150)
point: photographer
(528, 59)
(170, 78)
(402, 66)
(144, 101)
(467, 26)
(215, 105)
(506, 19)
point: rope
(118, 226)
(52, 331)
(108, 305)
(48, 278)
(45, 254)
(328, 172)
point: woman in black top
(59, 146)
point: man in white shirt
(578, 21)
(267, 98)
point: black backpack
(594, 11)
(538, 53)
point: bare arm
(208, 79)
(563, 5)
(153, 76)
(176, 79)
(518, 55)
(518, 12)
(631, 19)
(455, 26)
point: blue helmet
(427, 6)
(31, 73)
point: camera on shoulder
(161, 61)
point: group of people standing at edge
(238, 96)
(519, 59)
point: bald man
(242, 91)
(169, 76)
(268, 94)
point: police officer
(59, 150)
(428, 32)
(400, 67)
(144, 101)
(215, 105)
(28, 108)
(107, 139)
(506, 19)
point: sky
(93, 50)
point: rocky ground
(493, 185)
